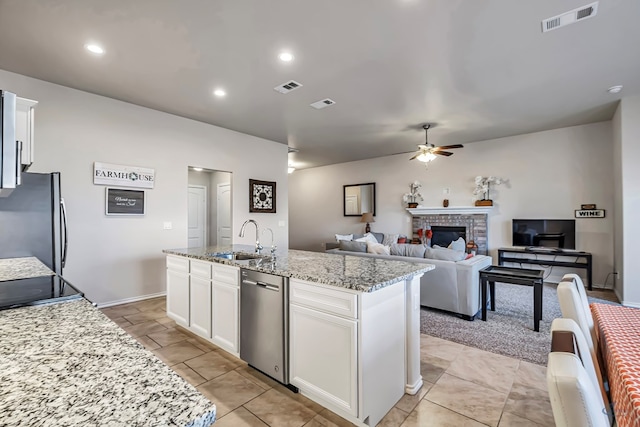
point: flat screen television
(551, 233)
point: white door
(197, 223)
(200, 313)
(178, 297)
(224, 214)
(225, 315)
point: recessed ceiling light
(94, 48)
(615, 89)
(285, 57)
(219, 93)
(197, 169)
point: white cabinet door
(225, 317)
(25, 113)
(323, 356)
(200, 315)
(178, 296)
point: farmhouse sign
(123, 176)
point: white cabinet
(200, 306)
(225, 317)
(347, 348)
(178, 296)
(323, 358)
(204, 297)
(25, 115)
(200, 297)
(225, 302)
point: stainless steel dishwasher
(264, 323)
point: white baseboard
(630, 304)
(128, 300)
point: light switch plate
(281, 224)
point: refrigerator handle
(18, 162)
(63, 209)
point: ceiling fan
(427, 152)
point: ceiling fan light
(426, 157)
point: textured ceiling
(478, 69)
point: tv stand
(582, 259)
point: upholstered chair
(577, 281)
(566, 336)
(575, 401)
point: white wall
(115, 258)
(618, 252)
(629, 274)
(550, 175)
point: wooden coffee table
(517, 276)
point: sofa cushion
(344, 237)
(390, 239)
(377, 248)
(415, 251)
(379, 236)
(444, 254)
(353, 246)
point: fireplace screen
(444, 235)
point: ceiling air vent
(287, 87)
(571, 17)
(318, 105)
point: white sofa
(452, 286)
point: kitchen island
(354, 322)
(66, 364)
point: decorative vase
(484, 202)
(413, 205)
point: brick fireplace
(473, 219)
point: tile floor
(463, 386)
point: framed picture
(262, 196)
(124, 202)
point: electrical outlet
(446, 190)
(281, 224)
(167, 225)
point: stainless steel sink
(239, 256)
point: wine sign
(125, 202)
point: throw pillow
(458, 245)
(344, 237)
(469, 256)
(390, 239)
(444, 254)
(377, 248)
(368, 238)
(353, 246)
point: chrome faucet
(273, 246)
(258, 245)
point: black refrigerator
(33, 221)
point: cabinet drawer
(331, 301)
(226, 274)
(201, 269)
(177, 263)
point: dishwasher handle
(261, 284)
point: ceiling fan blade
(416, 155)
(449, 147)
(443, 153)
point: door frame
(218, 187)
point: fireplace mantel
(458, 210)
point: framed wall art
(124, 202)
(262, 196)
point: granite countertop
(67, 364)
(22, 268)
(365, 274)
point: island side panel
(382, 351)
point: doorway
(215, 212)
